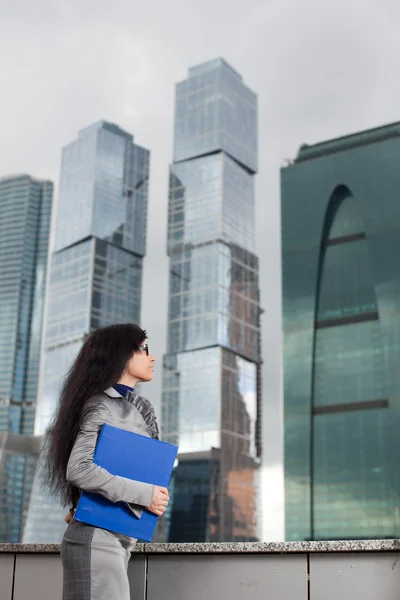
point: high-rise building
(18, 459)
(341, 315)
(96, 268)
(25, 216)
(211, 394)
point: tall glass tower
(341, 317)
(25, 216)
(211, 394)
(96, 267)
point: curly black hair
(99, 365)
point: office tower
(25, 215)
(96, 267)
(341, 314)
(211, 394)
(18, 459)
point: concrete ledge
(232, 548)
(346, 570)
(275, 547)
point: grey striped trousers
(95, 563)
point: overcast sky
(321, 68)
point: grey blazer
(132, 413)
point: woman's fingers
(158, 507)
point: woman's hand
(160, 500)
(69, 516)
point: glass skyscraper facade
(341, 314)
(211, 390)
(25, 216)
(18, 459)
(96, 267)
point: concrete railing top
(232, 548)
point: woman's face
(141, 365)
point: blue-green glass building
(341, 318)
(96, 268)
(25, 216)
(211, 394)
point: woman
(100, 389)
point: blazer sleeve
(83, 473)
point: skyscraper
(211, 395)
(18, 459)
(341, 314)
(25, 215)
(96, 267)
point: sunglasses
(144, 348)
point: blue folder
(135, 457)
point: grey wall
(336, 576)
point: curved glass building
(341, 314)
